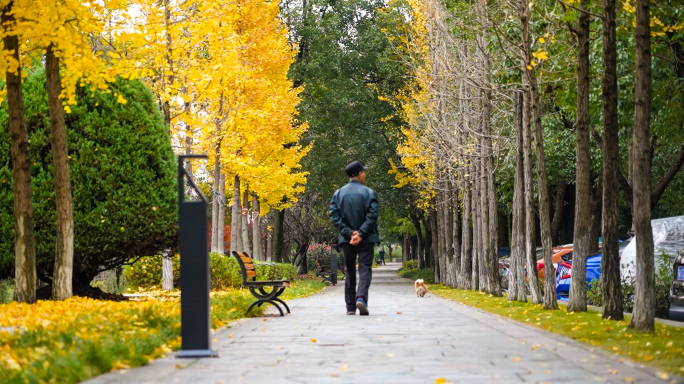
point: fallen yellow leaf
(664, 376)
(441, 380)
(313, 340)
(515, 359)
(629, 379)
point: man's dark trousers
(365, 253)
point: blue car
(564, 274)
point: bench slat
(250, 267)
(251, 273)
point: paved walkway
(404, 340)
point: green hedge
(225, 272)
(123, 177)
(410, 264)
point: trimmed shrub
(225, 272)
(123, 177)
(410, 264)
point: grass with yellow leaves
(72, 340)
(663, 349)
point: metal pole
(194, 268)
(333, 268)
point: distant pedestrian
(382, 256)
(354, 210)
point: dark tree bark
(428, 242)
(245, 224)
(448, 239)
(581, 246)
(455, 267)
(558, 212)
(516, 279)
(466, 254)
(610, 260)
(483, 228)
(415, 220)
(475, 209)
(236, 220)
(64, 249)
(596, 214)
(24, 242)
(435, 239)
(531, 101)
(530, 244)
(278, 236)
(644, 302)
(502, 230)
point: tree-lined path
(404, 340)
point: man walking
(382, 256)
(354, 210)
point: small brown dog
(421, 288)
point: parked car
(677, 289)
(558, 252)
(564, 274)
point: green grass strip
(663, 349)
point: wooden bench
(325, 272)
(257, 288)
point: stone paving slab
(405, 340)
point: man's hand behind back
(356, 238)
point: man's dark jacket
(354, 207)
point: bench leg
(259, 303)
(283, 303)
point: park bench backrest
(246, 266)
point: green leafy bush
(225, 272)
(123, 177)
(410, 264)
(6, 291)
(415, 274)
(323, 254)
(663, 282)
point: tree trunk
(466, 255)
(300, 259)
(581, 246)
(419, 236)
(257, 244)
(167, 270)
(610, 259)
(448, 242)
(475, 276)
(483, 255)
(596, 211)
(558, 212)
(428, 243)
(502, 230)
(24, 243)
(544, 204)
(269, 235)
(516, 274)
(644, 299)
(455, 267)
(278, 238)
(245, 222)
(64, 249)
(404, 248)
(215, 203)
(236, 219)
(530, 244)
(221, 223)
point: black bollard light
(333, 269)
(194, 268)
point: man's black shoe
(361, 306)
